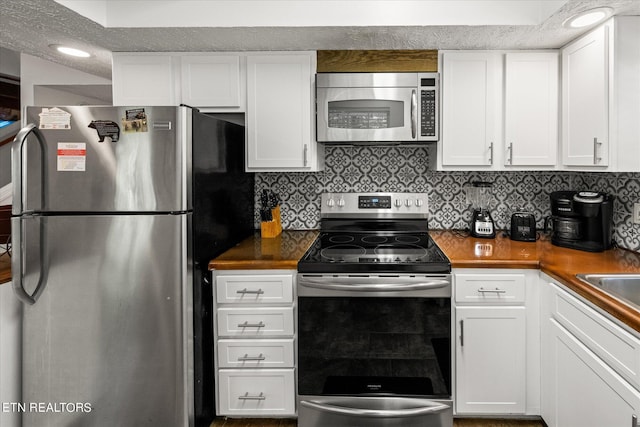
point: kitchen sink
(625, 287)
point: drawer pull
(247, 358)
(246, 324)
(247, 291)
(494, 291)
(246, 396)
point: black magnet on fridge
(106, 128)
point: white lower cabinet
(491, 375)
(582, 384)
(255, 341)
(255, 353)
(256, 392)
(496, 342)
(584, 390)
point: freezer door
(108, 340)
(101, 159)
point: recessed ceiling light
(588, 17)
(70, 51)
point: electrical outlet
(636, 213)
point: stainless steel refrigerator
(116, 212)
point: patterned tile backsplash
(412, 169)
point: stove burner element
(343, 253)
(374, 239)
(341, 238)
(407, 239)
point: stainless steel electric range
(374, 316)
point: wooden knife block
(272, 228)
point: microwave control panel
(428, 107)
(428, 112)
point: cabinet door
(245, 392)
(255, 322)
(583, 390)
(495, 289)
(247, 353)
(490, 360)
(585, 100)
(279, 112)
(211, 80)
(531, 109)
(143, 80)
(469, 108)
(252, 289)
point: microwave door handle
(414, 113)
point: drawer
(614, 345)
(256, 392)
(254, 289)
(255, 353)
(255, 322)
(490, 288)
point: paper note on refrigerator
(54, 118)
(72, 156)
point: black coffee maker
(581, 220)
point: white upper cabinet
(212, 80)
(280, 125)
(601, 98)
(144, 79)
(198, 80)
(531, 109)
(585, 97)
(499, 110)
(470, 108)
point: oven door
(367, 114)
(374, 350)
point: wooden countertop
(560, 263)
(255, 253)
(5, 268)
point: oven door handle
(431, 408)
(374, 287)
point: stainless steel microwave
(370, 108)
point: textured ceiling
(30, 26)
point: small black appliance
(523, 227)
(581, 220)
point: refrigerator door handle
(16, 262)
(16, 169)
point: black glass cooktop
(336, 252)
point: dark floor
(463, 422)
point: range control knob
(407, 203)
(331, 203)
(398, 203)
(341, 203)
(419, 203)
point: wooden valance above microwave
(374, 61)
